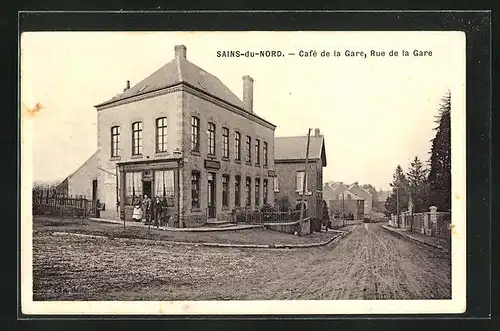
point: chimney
(248, 93)
(127, 87)
(316, 132)
(180, 51)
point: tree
(283, 203)
(440, 160)
(417, 178)
(397, 201)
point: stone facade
(178, 103)
(80, 182)
(365, 195)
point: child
(137, 215)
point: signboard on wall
(212, 164)
(271, 173)
(147, 175)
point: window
(257, 151)
(264, 186)
(225, 142)
(137, 138)
(133, 186)
(319, 179)
(249, 149)
(237, 189)
(257, 192)
(247, 191)
(237, 146)
(161, 134)
(115, 141)
(195, 134)
(164, 183)
(225, 191)
(265, 153)
(300, 182)
(211, 138)
(276, 184)
(195, 189)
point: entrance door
(211, 195)
(146, 189)
(94, 189)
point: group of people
(148, 211)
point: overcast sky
(375, 113)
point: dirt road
(370, 263)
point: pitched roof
(174, 72)
(294, 148)
(358, 188)
(331, 191)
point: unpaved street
(370, 263)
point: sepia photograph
(243, 172)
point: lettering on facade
(211, 164)
(147, 175)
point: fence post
(433, 220)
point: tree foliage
(399, 193)
(417, 185)
(440, 161)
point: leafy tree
(400, 192)
(440, 161)
(283, 203)
(417, 184)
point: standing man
(157, 211)
(146, 208)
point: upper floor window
(225, 142)
(195, 134)
(249, 149)
(265, 154)
(115, 141)
(237, 146)
(257, 151)
(161, 134)
(211, 138)
(137, 138)
(300, 182)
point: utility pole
(305, 176)
(397, 199)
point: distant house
(82, 182)
(289, 159)
(341, 201)
(362, 193)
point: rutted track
(368, 264)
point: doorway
(146, 189)
(211, 195)
(94, 190)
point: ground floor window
(247, 191)
(195, 189)
(257, 192)
(164, 183)
(237, 188)
(133, 184)
(265, 187)
(225, 190)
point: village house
(290, 156)
(82, 182)
(341, 201)
(181, 135)
(365, 195)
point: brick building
(181, 135)
(290, 155)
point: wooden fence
(260, 217)
(47, 202)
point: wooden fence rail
(47, 202)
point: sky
(374, 112)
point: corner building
(182, 135)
